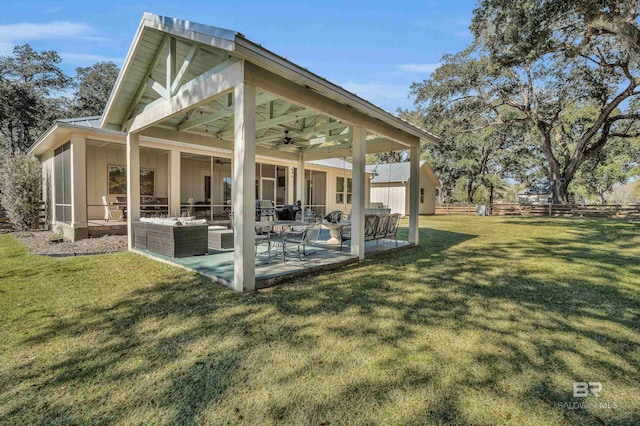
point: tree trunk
(490, 193)
(561, 176)
(559, 190)
(470, 192)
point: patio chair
(111, 211)
(345, 234)
(309, 216)
(297, 237)
(262, 237)
(382, 227)
(313, 232)
(334, 217)
(392, 228)
(370, 226)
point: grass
(489, 321)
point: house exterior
(205, 179)
(537, 194)
(390, 186)
(200, 109)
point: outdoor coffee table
(221, 239)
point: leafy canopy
(566, 71)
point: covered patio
(186, 86)
(218, 265)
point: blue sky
(373, 48)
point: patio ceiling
(167, 55)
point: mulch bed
(41, 242)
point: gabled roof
(143, 70)
(391, 172)
(62, 129)
(92, 122)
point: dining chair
(262, 236)
(297, 237)
(111, 211)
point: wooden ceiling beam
(225, 112)
(143, 84)
(192, 94)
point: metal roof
(144, 64)
(92, 122)
(391, 172)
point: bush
(21, 190)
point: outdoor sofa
(376, 227)
(172, 237)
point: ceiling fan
(286, 140)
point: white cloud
(13, 34)
(421, 68)
(27, 31)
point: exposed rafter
(194, 93)
(190, 122)
(177, 81)
(158, 88)
(332, 138)
(171, 63)
(145, 81)
(283, 119)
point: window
(421, 195)
(281, 188)
(207, 189)
(62, 182)
(226, 182)
(343, 191)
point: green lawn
(489, 321)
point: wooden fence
(609, 211)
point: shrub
(21, 190)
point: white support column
(359, 151)
(133, 184)
(243, 191)
(414, 194)
(300, 181)
(174, 183)
(79, 187)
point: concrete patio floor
(218, 264)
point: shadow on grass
(446, 320)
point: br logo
(582, 389)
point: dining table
(281, 227)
